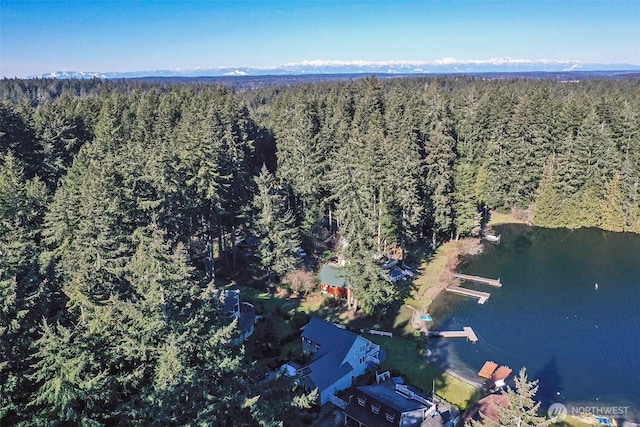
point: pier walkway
(482, 296)
(466, 332)
(492, 282)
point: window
(390, 417)
(361, 401)
(375, 409)
(361, 360)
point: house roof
(247, 319)
(389, 397)
(333, 276)
(501, 374)
(366, 417)
(328, 364)
(385, 397)
(489, 406)
(231, 300)
(396, 274)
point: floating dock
(488, 369)
(482, 296)
(466, 332)
(492, 282)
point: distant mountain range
(443, 66)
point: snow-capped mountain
(442, 66)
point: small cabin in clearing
(333, 281)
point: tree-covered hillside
(427, 152)
(122, 205)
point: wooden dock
(488, 369)
(482, 296)
(492, 282)
(466, 332)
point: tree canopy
(122, 204)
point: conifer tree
(300, 160)
(61, 132)
(406, 162)
(440, 179)
(612, 208)
(549, 203)
(467, 217)
(23, 299)
(275, 227)
(521, 409)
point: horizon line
(315, 63)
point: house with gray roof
(243, 311)
(337, 357)
(387, 404)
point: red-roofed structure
(501, 374)
(487, 370)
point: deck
(488, 369)
(466, 332)
(492, 282)
(482, 296)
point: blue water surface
(581, 343)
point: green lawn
(270, 303)
(429, 273)
(497, 218)
(403, 355)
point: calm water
(582, 344)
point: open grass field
(404, 356)
(497, 218)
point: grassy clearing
(498, 218)
(404, 356)
(280, 302)
(429, 273)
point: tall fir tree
(23, 296)
(275, 227)
(521, 409)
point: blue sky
(43, 36)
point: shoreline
(450, 363)
(464, 247)
(447, 265)
(461, 377)
(445, 277)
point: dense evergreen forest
(122, 204)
